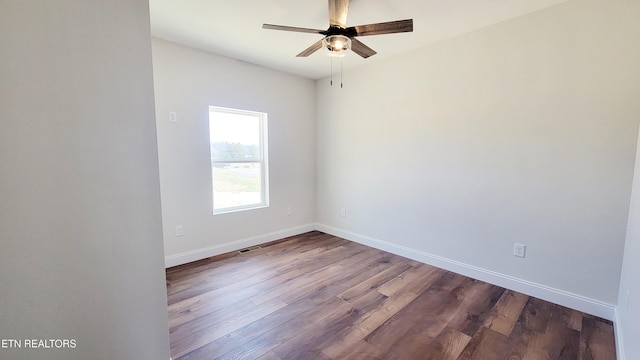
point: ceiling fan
(338, 38)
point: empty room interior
(491, 162)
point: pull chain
(331, 72)
(340, 73)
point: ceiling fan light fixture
(337, 45)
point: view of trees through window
(238, 160)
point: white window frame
(263, 161)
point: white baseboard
(556, 296)
(619, 338)
(199, 254)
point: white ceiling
(234, 28)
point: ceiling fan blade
(291, 28)
(361, 49)
(338, 10)
(383, 28)
(311, 49)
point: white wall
(81, 252)
(187, 81)
(628, 311)
(522, 132)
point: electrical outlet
(289, 211)
(343, 212)
(519, 250)
(179, 231)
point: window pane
(238, 143)
(236, 184)
(234, 137)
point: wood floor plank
(185, 277)
(429, 278)
(338, 332)
(201, 306)
(416, 274)
(299, 286)
(254, 266)
(431, 302)
(557, 342)
(315, 273)
(368, 322)
(317, 296)
(179, 317)
(221, 315)
(201, 337)
(475, 307)
(536, 314)
(295, 338)
(455, 306)
(265, 334)
(305, 344)
(449, 344)
(224, 282)
(311, 289)
(361, 350)
(487, 345)
(212, 300)
(574, 320)
(596, 343)
(374, 282)
(269, 356)
(361, 267)
(506, 312)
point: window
(238, 159)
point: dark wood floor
(315, 296)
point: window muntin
(238, 143)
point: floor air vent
(246, 250)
